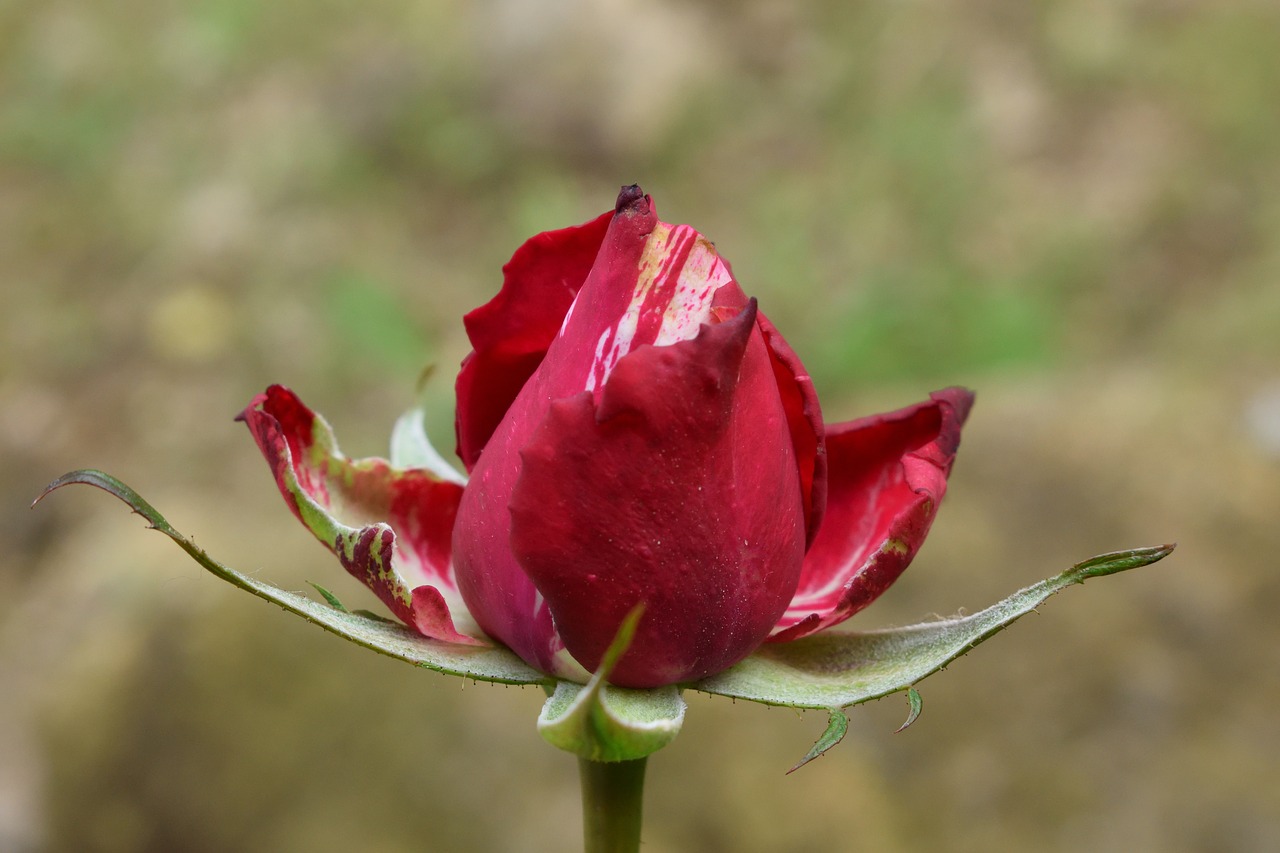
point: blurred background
(1071, 206)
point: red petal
(652, 283)
(390, 528)
(496, 589)
(510, 333)
(887, 475)
(679, 490)
(804, 416)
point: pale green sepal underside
(600, 722)
(837, 669)
(482, 663)
(611, 723)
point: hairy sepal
(836, 669)
(601, 722)
(481, 663)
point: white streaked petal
(410, 448)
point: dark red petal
(804, 416)
(679, 490)
(496, 589)
(887, 475)
(510, 333)
(390, 528)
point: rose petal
(510, 333)
(804, 415)
(641, 263)
(677, 489)
(390, 528)
(886, 476)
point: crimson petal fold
(677, 489)
(804, 416)
(887, 475)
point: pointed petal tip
(260, 399)
(958, 396)
(955, 402)
(631, 199)
(432, 618)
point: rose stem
(612, 800)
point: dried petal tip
(632, 199)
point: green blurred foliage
(1070, 205)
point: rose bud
(636, 432)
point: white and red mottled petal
(511, 332)
(677, 282)
(886, 476)
(390, 528)
(676, 489)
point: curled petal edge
(844, 574)
(313, 476)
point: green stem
(612, 801)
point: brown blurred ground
(1073, 207)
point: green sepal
(837, 669)
(376, 617)
(914, 705)
(329, 597)
(837, 726)
(600, 722)
(481, 663)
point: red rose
(635, 432)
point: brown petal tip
(631, 199)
